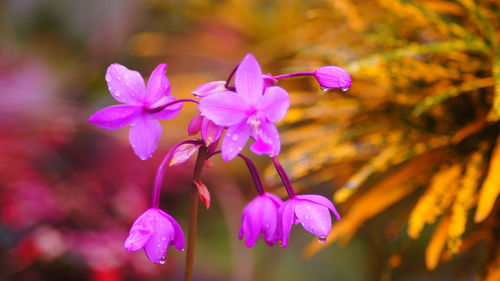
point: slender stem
(231, 76)
(160, 173)
(284, 178)
(193, 213)
(295, 74)
(163, 106)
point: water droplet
(117, 93)
(240, 148)
(127, 76)
(163, 238)
(322, 239)
(235, 137)
(325, 89)
(345, 89)
(163, 260)
(231, 150)
(108, 78)
(309, 207)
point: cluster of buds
(246, 110)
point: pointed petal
(248, 80)
(209, 88)
(251, 223)
(333, 77)
(235, 139)
(115, 116)
(315, 218)
(267, 140)
(210, 132)
(285, 221)
(164, 234)
(318, 199)
(224, 108)
(169, 112)
(274, 104)
(269, 218)
(195, 124)
(126, 86)
(144, 134)
(141, 231)
(179, 239)
(182, 153)
(158, 85)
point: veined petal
(224, 108)
(269, 219)
(158, 85)
(210, 132)
(235, 139)
(195, 124)
(286, 219)
(315, 218)
(267, 140)
(170, 111)
(141, 231)
(248, 80)
(251, 223)
(156, 247)
(144, 134)
(179, 240)
(115, 116)
(125, 85)
(209, 88)
(318, 199)
(274, 104)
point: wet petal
(333, 77)
(141, 231)
(274, 104)
(209, 88)
(235, 139)
(251, 223)
(318, 199)
(169, 112)
(248, 80)
(314, 218)
(126, 86)
(115, 116)
(179, 239)
(156, 247)
(269, 219)
(224, 108)
(210, 132)
(144, 134)
(267, 140)
(286, 219)
(158, 85)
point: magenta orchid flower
(154, 231)
(312, 211)
(251, 111)
(141, 107)
(333, 77)
(260, 216)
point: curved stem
(193, 213)
(230, 77)
(161, 171)
(295, 74)
(284, 177)
(162, 107)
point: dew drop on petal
(234, 137)
(163, 238)
(163, 260)
(117, 93)
(126, 76)
(322, 239)
(345, 89)
(325, 89)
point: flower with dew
(141, 106)
(311, 210)
(154, 231)
(260, 216)
(333, 77)
(250, 111)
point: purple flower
(333, 77)
(251, 111)
(141, 106)
(154, 231)
(260, 216)
(312, 211)
(210, 132)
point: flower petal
(286, 219)
(164, 234)
(126, 86)
(274, 104)
(333, 77)
(115, 116)
(315, 218)
(179, 239)
(318, 199)
(235, 139)
(170, 111)
(195, 124)
(158, 85)
(251, 223)
(224, 108)
(209, 88)
(267, 140)
(210, 132)
(248, 80)
(144, 133)
(269, 219)
(141, 231)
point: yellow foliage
(491, 186)
(436, 245)
(436, 199)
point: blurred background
(410, 154)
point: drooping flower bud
(333, 77)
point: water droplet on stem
(325, 89)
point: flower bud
(333, 77)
